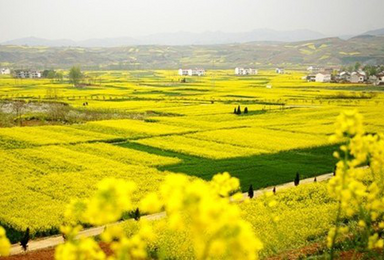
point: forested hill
(329, 51)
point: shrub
(238, 110)
(297, 179)
(24, 241)
(250, 192)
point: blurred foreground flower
(203, 209)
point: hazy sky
(83, 19)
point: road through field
(90, 232)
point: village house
(191, 72)
(373, 79)
(335, 75)
(5, 71)
(311, 78)
(280, 71)
(243, 71)
(344, 76)
(380, 78)
(27, 74)
(323, 77)
(358, 77)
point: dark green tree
(24, 240)
(250, 192)
(297, 179)
(44, 74)
(59, 76)
(75, 75)
(370, 70)
(51, 74)
(137, 214)
(239, 110)
(246, 110)
(357, 66)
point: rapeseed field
(170, 127)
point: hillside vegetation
(329, 51)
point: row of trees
(238, 110)
(296, 182)
(75, 75)
(53, 75)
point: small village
(373, 75)
(357, 74)
(354, 74)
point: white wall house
(243, 71)
(191, 72)
(380, 78)
(27, 74)
(358, 77)
(5, 71)
(34, 74)
(310, 78)
(323, 77)
(344, 76)
(280, 71)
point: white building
(34, 74)
(5, 71)
(380, 78)
(280, 71)
(243, 71)
(344, 76)
(323, 77)
(191, 72)
(310, 78)
(27, 74)
(358, 77)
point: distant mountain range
(188, 38)
(178, 38)
(377, 32)
(368, 49)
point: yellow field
(173, 123)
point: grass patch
(259, 170)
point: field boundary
(53, 241)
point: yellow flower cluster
(5, 246)
(133, 247)
(81, 249)
(357, 193)
(111, 200)
(224, 184)
(291, 218)
(194, 206)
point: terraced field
(168, 127)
